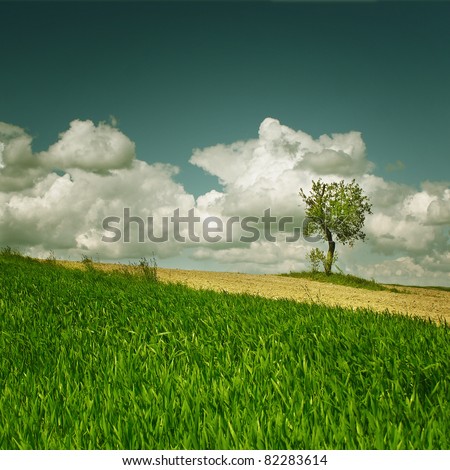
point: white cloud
(340, 154)
(387, 197)
(404, 270)
(390, 234)
(269, 171)
(407, 235)
(437, 262)
(16, 148)
(65, 213)
(416, 205)
(2, 147)
(91, 148)
(18, 166)
(438, 212)
(258, 257)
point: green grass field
(95, 360)
(342, 280)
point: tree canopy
(338, 210)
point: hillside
(414, 301)
(112, 360)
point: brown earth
(431, 304)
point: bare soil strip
(426, 303)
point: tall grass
(348, 280)
(94, 360)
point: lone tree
(335, 209)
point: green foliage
(446, 289)
(338, 207)
(317, 258)
(8, 252)
(51, 258)
(86, 259)
(95, 360)
(348, 280)
(335, 210)
(149, 268)
(88, 263)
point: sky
(226, 108)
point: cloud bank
(58, 198)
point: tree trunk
(330, 254)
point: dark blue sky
(183, 75)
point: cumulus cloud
(392, 235)
(16, 146)
(438, 212)
(258, 257)
(268, 171)
(2, 147)
(340, 154)
(66, 212)
(42, 209)
(405, 268)
(18, 166)
(92, 148)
